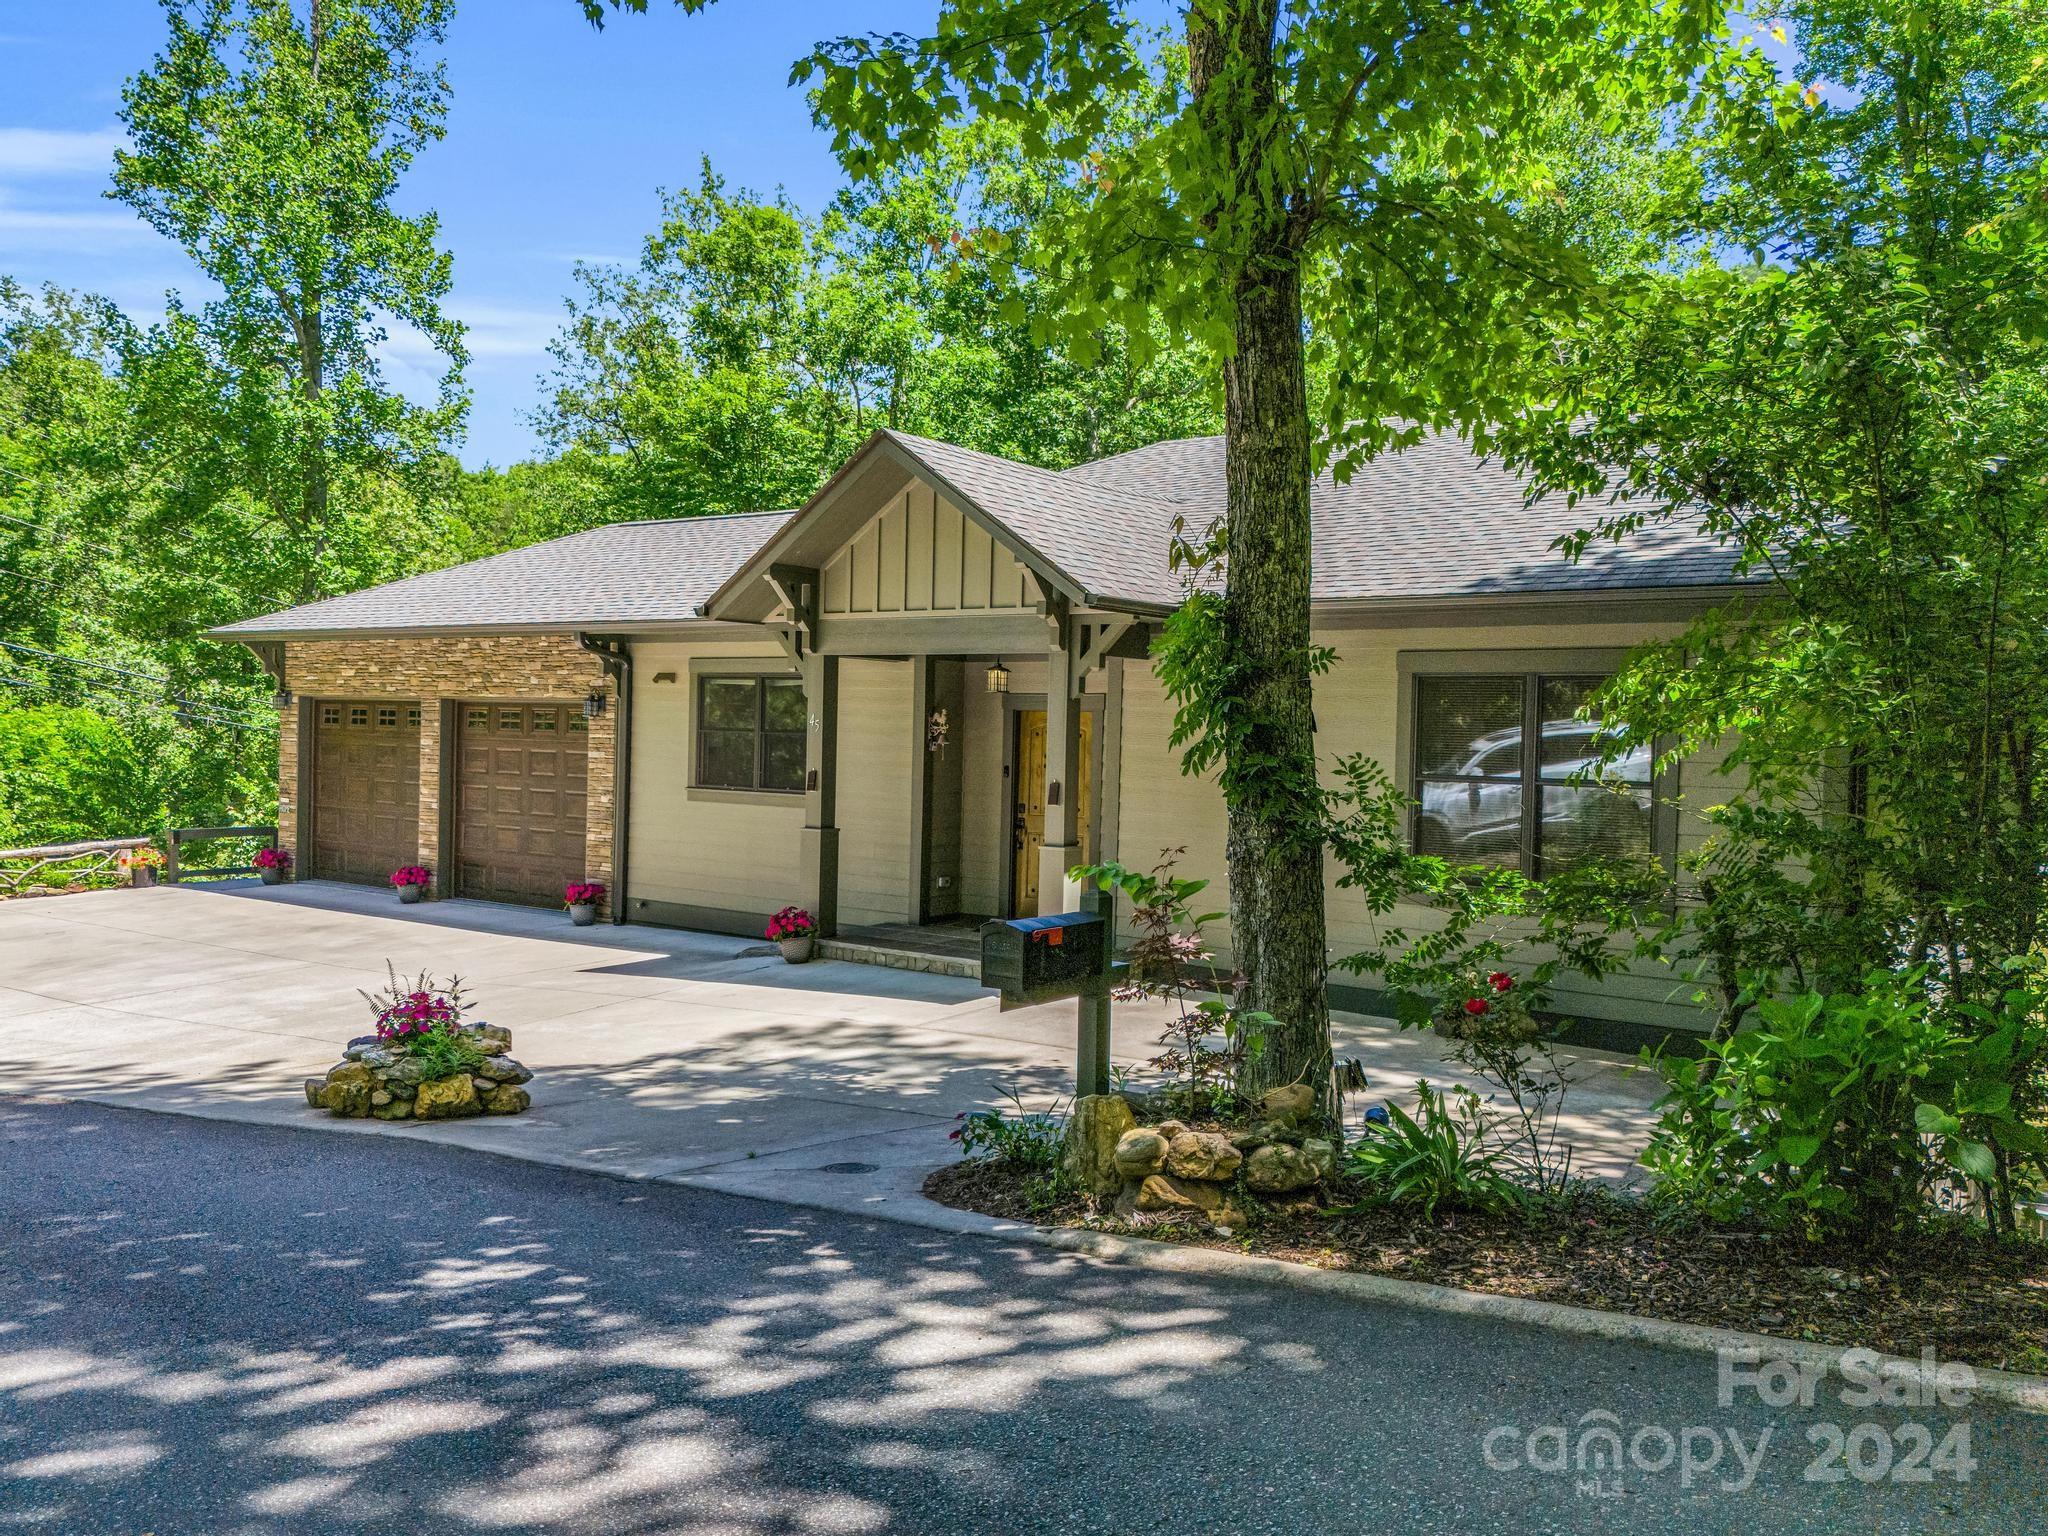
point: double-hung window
(750, 733)
(1506, 774)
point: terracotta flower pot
(797, 951)
(409, 894)
(582, 913)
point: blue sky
(558, 137)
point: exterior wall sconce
(998, 677)
(593, 705)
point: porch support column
(1062, 848)
(819, 852)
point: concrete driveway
(658, 1054)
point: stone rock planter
(271, 876)
(377, 1081)
(412, 894)
(797, 951)
(582, 913)
(1174, 1172)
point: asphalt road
(221, 1330)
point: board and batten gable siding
(921, 554)
(1358, 704)
(705, 850)
(877, 734)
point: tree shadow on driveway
(236, 1329)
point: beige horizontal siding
(727, 855)
(1357, 711)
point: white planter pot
(797, 951)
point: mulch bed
(1946, 1289)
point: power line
(233, 723)
(219, 712)
(61, 538)
(103, 666)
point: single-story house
(925, 694)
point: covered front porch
(962, 709)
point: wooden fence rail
(182, 837)
(100, 856)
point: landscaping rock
(1323, 1154)
(1279, 1170)
(1291, 1104)
(452, 1098)
(379, 1078)
(346, 1100)
(1094, 1131)
(507, 1099)
(1164, 1192)
(1140, 1152)
(1203, 1155)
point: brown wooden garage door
(520, 790)
(366, 788)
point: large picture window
(750, 733)
(1496, 775)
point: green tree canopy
(269, 146)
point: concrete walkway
(688, 1057)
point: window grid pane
(1480, 798)
(751, 733)
(1468, 756)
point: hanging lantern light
(998, 677)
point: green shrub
(443, 1053)
(71, 775)
(1024, 1137)
(1436, 1158)
(1843, 1115)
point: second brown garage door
(520, 787)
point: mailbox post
(1033, 960)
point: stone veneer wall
(493, 668)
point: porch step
(867, 952)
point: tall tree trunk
(1275, 845)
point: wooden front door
(520, 801)
(1028, 815)
(366, 789)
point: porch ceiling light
(998, 677)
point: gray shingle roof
(622, 574)
(1433, 520)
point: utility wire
(107, 666)
(221, 713)
(61, 539)
(46, 685)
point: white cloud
(58, 152)
(494, 330)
